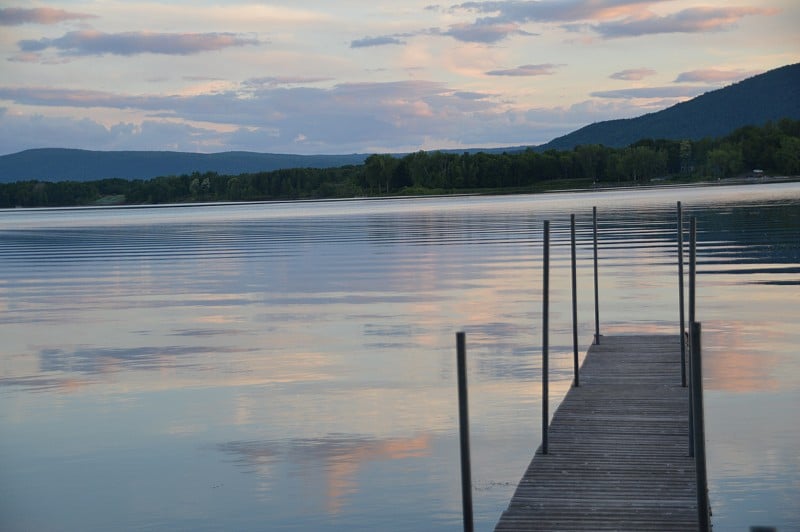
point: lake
(291, 366)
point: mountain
(753, 101)
(56, 164)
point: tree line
(773, 148)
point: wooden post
(576, 377)
(680, 297)
(545, 333)
(463, 421)
(596, 300)
(692, 267)
(692, 279)
(703, 517)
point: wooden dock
(618, 453)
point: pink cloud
(712, 75)
(92, 42)
(557, 10)
(547, 69)
(483, 32)
(15, 16)
(692, 20)
(635, 74)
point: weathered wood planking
(618, 447)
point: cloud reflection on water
(102, 360)
(338, 458)
(736, 359)
(279, 330)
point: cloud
(91, 42)
(692, 20)
(376, 41)
(635, 74)
(34, 57)
(557, 10)
(191, 78)
(266, 116)
(275, 81)
(468, 95)
(611, 18)
(652, 92)
(22, 132)
(484, 32)
(547, 69)
(82, 98)
(259, 102)
(712, 75)
(392, 116)
(19, 133)
(477, 32)
(15, 16)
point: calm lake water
(291, 366)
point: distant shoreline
(652, 185)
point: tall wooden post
(692, 285)
(680, 295)
(596, 291)
(703, 517)
(545, 334)
(576, 377)
(463, 423)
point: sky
(325, 77)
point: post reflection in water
(290, 366)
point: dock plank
(618, 447)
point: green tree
(379, 171)
(589, 159)
(685, 157)
(234, 189)
(787, 157)
(641, 163)
(724, 161)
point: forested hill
(55, 164)
(753, 101)
(770, 150)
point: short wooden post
(596, 291)
(576, 377)
(699, 430)
(545, 333)
(463, 422)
